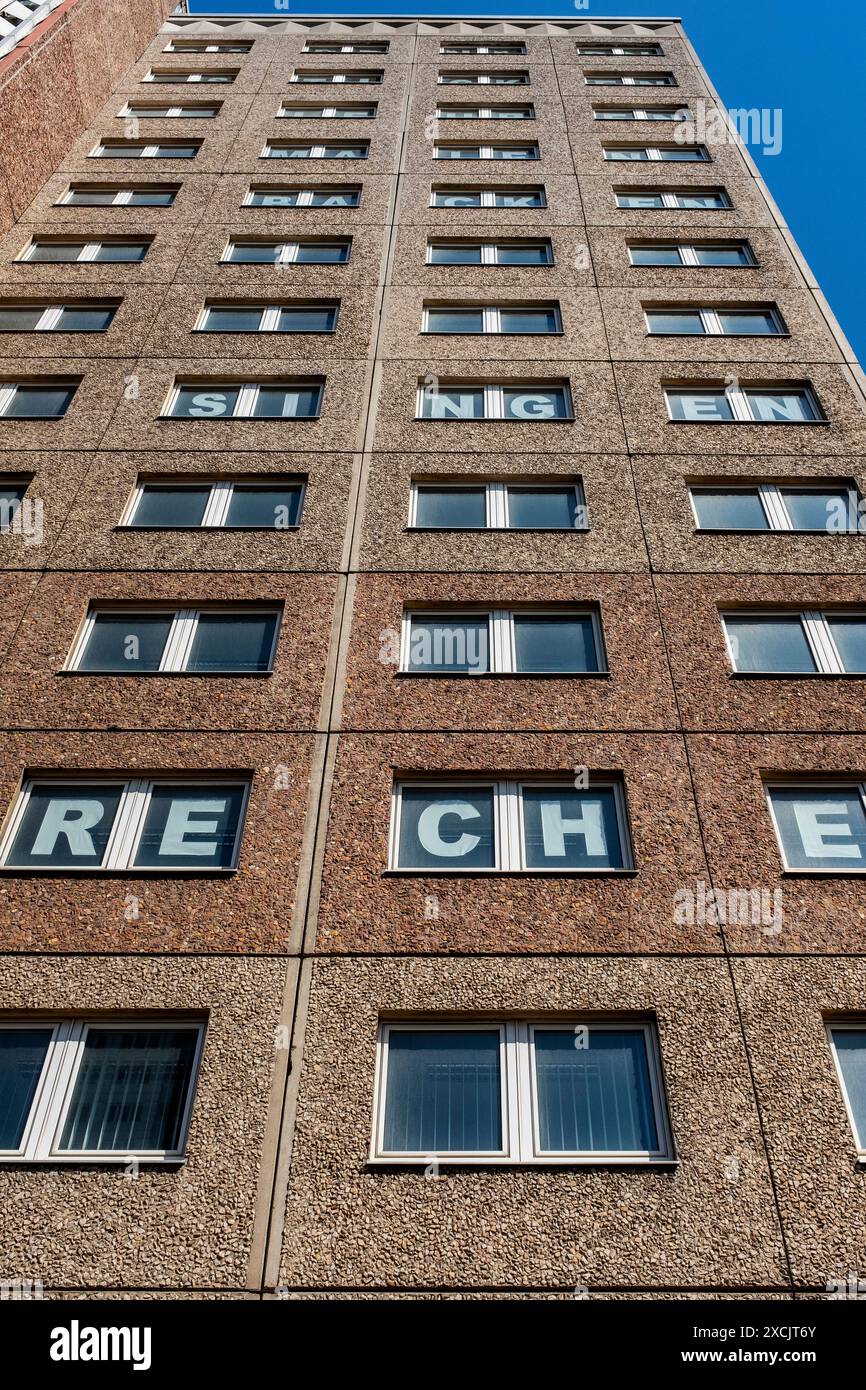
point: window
(485, 151)
(533, 401)
(632, 50)
(641, 113)
(831, 507)
(505, 319)
(69, 252)
(483, 79)
(266, 400)
(722, 253)
(485, 113)
(482, 48)
(343, 112)
(519, 1092)
(138, 149)
(325, 46)
(92, 1090)
(686, 199)
(820, 826)
(269, 197)
(332, 151)
(489, 253)
(303, 316)
(501, 642)
(508, 827)
(207, 46)
(311, 252)
(671, 154)
(196, 641)
(521, 197)
(99, 823)
(212, 77)
(89, 195)
(848, 1045)
(630, 79)
(831, 643)
(260, 504)
(44, 399)
(498, 506)
(11, 497)
(80, 316)
(722, 321)
(151, 112)
(313, 77)
(763, 405)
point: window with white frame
(666, 154)
(91, 195)
(702, 253)
(345, 111)
(726, 321)
(519, 1091)
(470, 48)
(831, 642)
(630, 79)
(301, 316)
(358, 77)
(787, 403)
(329, 46)
(208, 46)
(847, 1040)
(461, 78)
(95, 823)
(441, 151)
(81, 252)
(260, 504)
(523, 196)
(309, 251)
(460, 317)
(471, 825)
(641, 113)
(820, 826)
(12, 492)
(46, 398)
(291, 398)
(684, 199)
(337, 196)
(97, 1090)
(151, 111)
(480, 642)
(140, 149)
(212, 77)
(485, 113)
(821, 505)
(529, 402)
(273, 150)
(498, 506)
(609, 50)
(537, 252)
(76, 316)
(127, 641)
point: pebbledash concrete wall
(295, 958)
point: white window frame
(88, 253)
(497, 512)
(846, 1025)
(146, 151)
(490, 250)
(366, 46)
(162, 113)
(122, 196)
(739, 398)
(501, 639)
(304, 195)
(655, 154)
(288, 250)
(688, 253)
(205, 76)
(792, 784)
(217, 46)
(10, 389)
(772, 500)
(269, 320)
(612, 51)
(628, 79)
(643, 113)
(818, 633)
(248, 394)
(670, 198)
(488, 197)
(520, 1110)
(492, 317)
(128, 823)
(318, 151)
(494, 402)
(711, 320)
(324, 113)
(374, 78)
(483, 79)
(488, 151)
(508, 826)
(486, 113)
(52, 1098)
(51, 314)
(502, 50)
(218, 504)
(180, 639)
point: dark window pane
(19, 319)
(144, 198)
(65, 826)
(523, 255)
(264, 507)
(567, 829)
(22, 1057)
(452, 508)
(253, 253)
(458, 200)
(753, 322)
(55, 252)
(723, 255)
(322, 253)
(177, 151)
(232, 642)
(282, 402)
(640, 200)
(684, 322)
(719, 509)
(206, 402)
(84, 320)
(120, 152)
(655, 255)
(171, 506)
(126, 643)
(528, 321)
(550, 643)
(444, 1092)
(455, 255)
(117, 251)
(775, 643)
(275, 199)
(821, 509)
(701, 200)
(455, 321)
(348, 198)
(190, 827)
(542, 507)
(458, 645)
(318, 319)
(597, 1098)
(30, 402)
(447, 828)
(234, 319)
(849, 635)
(10, 501)
(130, 1091)
(90, 197)
(821, 827)
(850, 1044)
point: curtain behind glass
(130, 1091)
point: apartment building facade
(433, 826)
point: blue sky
(805, 59)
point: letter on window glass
(429, 833)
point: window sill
(94, 1161)
(232, 420)
(510, 873)
(762, 424)
(134, 871)
(169, 675)
(233, 530)
(503, 675)
(499, 530)
(487, 420)
(797, 675)
(431, 333)
(823, 873)
(768, 531)
(454, 1161)
(721, 337)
